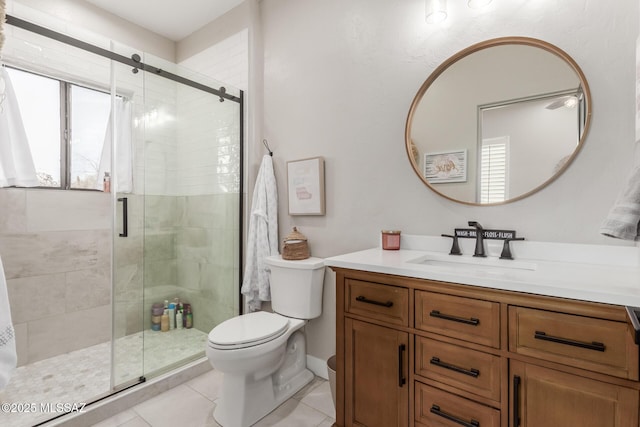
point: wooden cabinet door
(376, 375)
(546, 397)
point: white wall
(82, 16)
(339, 77)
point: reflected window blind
(493, 170)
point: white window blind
(494, 170)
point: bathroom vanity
(427, 339)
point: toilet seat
(248, 330)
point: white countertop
(598, 273)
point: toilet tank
(296, 286)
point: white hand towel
(262, 239)
(8, 357)
(123, 182)
(624, 217)
(16, 162)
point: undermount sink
(468, 262)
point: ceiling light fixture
(435, 11)
(478, 4)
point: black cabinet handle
(435, 409)
(597, 346)
(472, 321)
(516, 401)
(125, 217)
(374, 302)
(401, 379)
(471, 372)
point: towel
(262, 239)
(16, 162)
(122, 180)
(624, 217)
(8, 357)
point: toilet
(263, 355)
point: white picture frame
(445, 166)
(305, 186)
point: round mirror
(498, 121)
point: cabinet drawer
(460, 367)
(588, 343)
(377, 301)
(467, 319)
(437, 408)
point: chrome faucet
(479, 252)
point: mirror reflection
(498, 121)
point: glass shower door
(191, 214)
(128, 220)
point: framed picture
(305, 185)
(445, 166)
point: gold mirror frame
(411, 150)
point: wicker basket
(295, 246)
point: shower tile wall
(56, 245)
(187, 223)
(192, 257)
(55, 248)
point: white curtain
(122, 181)
(16, 163)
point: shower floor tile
(36, 389)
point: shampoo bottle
(172, 316)
(179, 324)
(106, 183)
(189, 318)
(164, 322)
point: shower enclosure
(84, 275)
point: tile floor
(191, 405)
(83, 375)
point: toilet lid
(248, 329)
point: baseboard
(318, 366)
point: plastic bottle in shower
(188, 317)
(106, 183)
(172, 316)
(157, 311)
(179, 320)
(164, 322)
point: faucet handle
(506, 249)
(455, 248)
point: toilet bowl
(263, 355)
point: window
(494, 170)
(65, 125)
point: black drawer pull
(401, 379)
(472, 321)
(597, 346)
(374, 302)
(435, 409)
(471, 372)
(516, 401)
